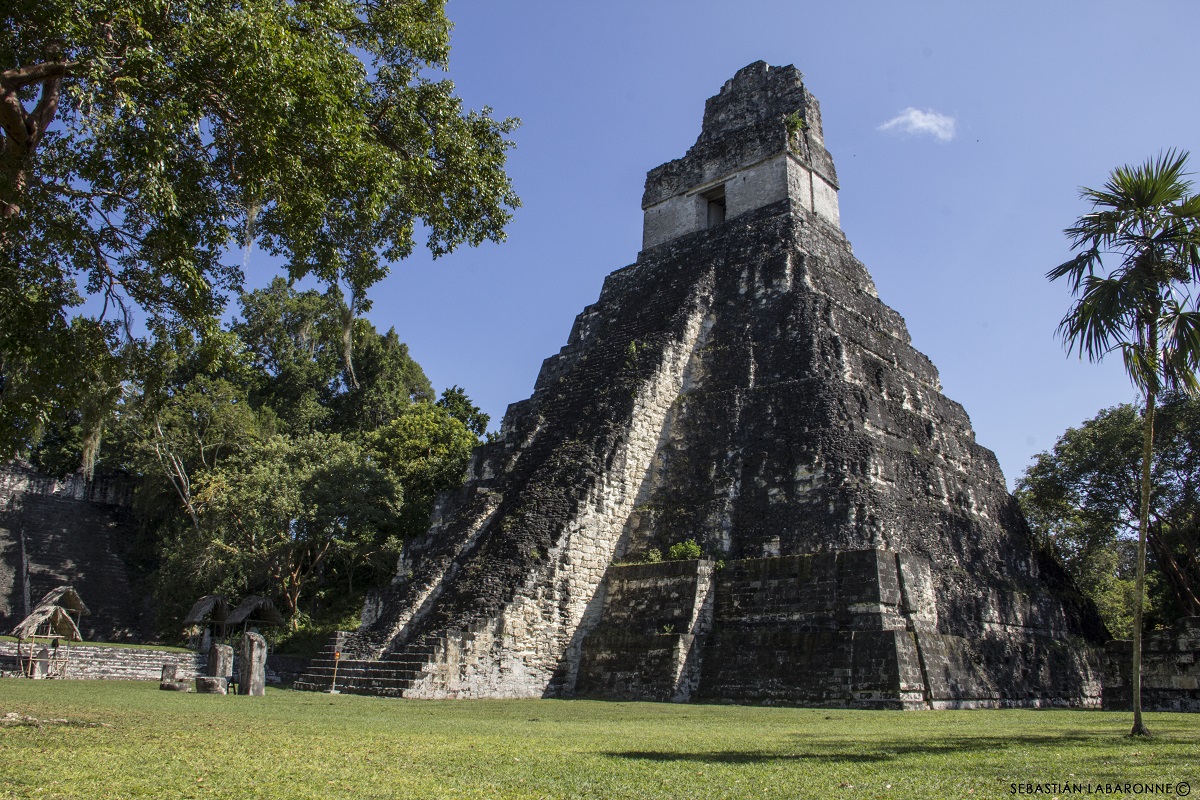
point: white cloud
(913, 121)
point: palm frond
(1139, 246)
(1181, 346)
(1141, 365)
(1077, 268)
(1099, 321)
(1158, 182)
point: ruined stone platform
(741, 384)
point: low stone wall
(98, 662)
(1170, 670)
(88, 662)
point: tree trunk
(1177, 575)
(1139, 727)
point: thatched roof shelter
(212, 608)
(67, 598)
(48, 620)
(255, 609)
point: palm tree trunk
(1139, 728)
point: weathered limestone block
(41, 665)
(168, 681)
(220, 661)
(252, 667)
(211, 685)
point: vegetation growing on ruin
(131, 740)
(686, 550)
(795, 123)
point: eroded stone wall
(1170, 669)
(68, 531)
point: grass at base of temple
(110, 739)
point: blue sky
(958, 233)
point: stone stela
(741, 385)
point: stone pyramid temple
(740, 385)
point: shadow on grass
(852, 752)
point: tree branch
(12, 119)
(18, 77)
(43, 113)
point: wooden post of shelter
(53, 622)
(209, 613)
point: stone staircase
(389, 676)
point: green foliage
(795, 123)
(459, 406)
(275, 515)
(652, 556)
(631, 354)
(427, 450)
(303, 374)
(686, 550)
(265, 470)
(141, 140)
(75, 361)
(308, 744)
(388, 381)
(1082, 499)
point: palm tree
(1146, 225)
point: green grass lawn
(157, 744)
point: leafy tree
(185, 410)
(139, 140)
(459, 406)
(67, 360)
(275, 515)
(1083, 500)
(1147, 226)
(295, 339)
(388, 381)
(428, 450)
(292, 338)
